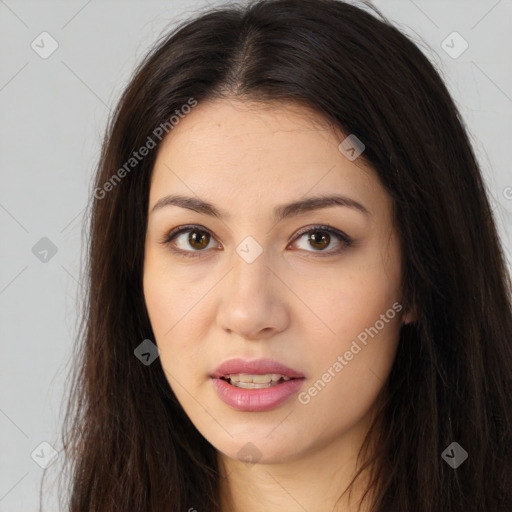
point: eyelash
(346, 240)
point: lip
(255, 400)
(255, 367)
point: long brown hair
(128, 442)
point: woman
(297, 296)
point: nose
(252, 303)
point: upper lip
(254, 367)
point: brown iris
(197, 238)
(319, 241)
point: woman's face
(262, 280)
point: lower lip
(254, 400)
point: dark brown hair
(128, 442)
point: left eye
(319, 237)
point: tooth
(252, 385)
(246, 378)
(261, 379)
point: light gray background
(53, 114)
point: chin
(256, 447)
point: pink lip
(255, 367)
(254, 400)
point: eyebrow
(280, 212)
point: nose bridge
(249, 303)
(250, 270)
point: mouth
(255, 374)
(255, 385)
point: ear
(409, 317)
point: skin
(290, 304)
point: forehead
(229, 149)
(233, 126)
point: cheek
(178, 353)
(362, 310)
(345, 300)
(349, 374)
(178, 317)
(171, 298)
